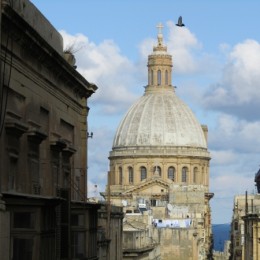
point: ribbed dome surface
(159, 119)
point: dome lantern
(159, 65)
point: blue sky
(216, 59)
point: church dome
(160, 118)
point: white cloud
(238, 91)
(105, 66)
(226, 185)
(223, 157)
(185, 48)
(182, 43)
(235, 134)
(228, 180)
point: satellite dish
(169, 207)
(124, 203)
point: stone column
(4, 231)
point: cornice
(159, 151)
(30, 40)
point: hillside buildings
(159, 172)
(44, 212)
(225, 255)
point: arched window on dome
(120, 175)
(130, 175)
(195, 175)
(184, 174)
(157, 170)
(166, 77)
(159, 77)
(143, 173)
(171, 173)
(151, 77)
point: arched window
(131, 175)
(143, 173)
(235, 225)
(159, 77)
(166, 77)
(184, 174)
(171, 173)
(157, 169)
(120, 175)
(195, 175)
(151, 77)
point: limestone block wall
(178, 244)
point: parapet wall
(38, 22)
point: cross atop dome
(160, 27)
(160, 35)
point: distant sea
(221, 233)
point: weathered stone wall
(110, 232)
(177, 244)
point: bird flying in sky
(180, 24)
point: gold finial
(160, 35)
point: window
(159, 77)
(23, 229)
(33, 164)
(184, 174)
(195, 175)
(67, 130)
(166, 77)
(151, 77)
(55, 166)
(22, 249)
(78, 220)
(77, 188)
(35, 137)
(44, 119)
(12, 172)
(236, 225)
(171, 173)
(153, 203)
(131, 174)
(120, 175)
(24, 220)
(157, 170)
(143, 173)
(78, 244)
(66, 167)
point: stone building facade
(159, 169)
(252, 235)
(110, 230)
(245, 227)
(44, 213)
